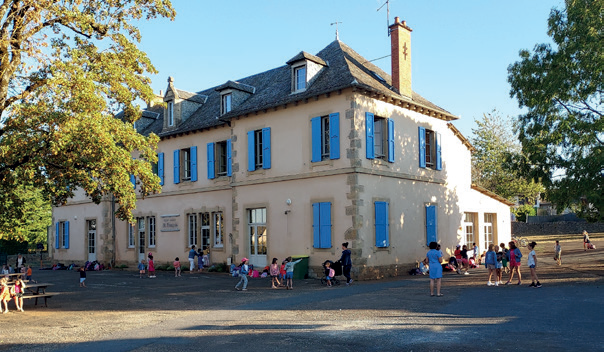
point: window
(325, 132)
(192, 229)
(218, 229)
(468, 225)
(256, 219)
(151, 221)
(429, 149)
(130, 236)
(185, 164)
(91, 226)
(219, 159)
(299, 78)
(259, 149)
(488, 230)
(225, 106)
(141, 234)
(321, 225)
(170, 113)
(62, 235)
(379, 137)
(205, 231)
(382, 225)
(431, 224)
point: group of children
(7, 269)
(7, 292)
(150, 267)
(285, 272)
(496, 260)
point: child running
(141, 268)
(491, 262)
(532, 264)
(289, 272)
(558, 251)
(4, 295)
(82, 277)
(274, 272)
(243, 275)
(176, 267)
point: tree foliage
(493, 162)
(32, 223)
(562, 86)
(66, 69)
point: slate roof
(345, 68)
(152, 121)
(236, 85)
(194, 97)
(303, 55)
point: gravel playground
(118, 311)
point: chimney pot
(396, 20)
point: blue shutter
(229, 158)
(160, 168)
(325, 210)
(266, 146)
(381, 225)
(422, 147)
(439, 164)
(370, 146)
(57, 235)
(431, 229)
(133, 180)
(334, 135)
(391, 140)
(66, 230)
(177, 166)
(316, 225)
(211, 170)
(251, 155)
(315, 130)
(193, 163)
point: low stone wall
(556, 228)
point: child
(504, 260)
(200, 259)
(274, 272)
(491, 262)
(82, 277)
(476, 254)
(141, 269)
(176, 267)
(514, 257)
(4, 295)
(532, 264)
(282, 273)
(19, 290)
(243, 272)
(329, 273)
(558, 251)
(289, 272)
(28, 274)
(150, 266)
(499, 265)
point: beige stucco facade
(287, 190)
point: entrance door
(91, 226)
(258, 237)
(488, 230)
(141, 238)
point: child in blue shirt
(289, 272)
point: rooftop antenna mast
(336, 23)
(387, 3)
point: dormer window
(170, 113)
(226, 103)
(299, 78)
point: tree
(30, 226)
(493, 161)
(562, 86)
(66, 69)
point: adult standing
(20, 262)
(586, 241)
(514, 256)
(434, 257)
(346, 262)
(192, 254)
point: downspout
(113, 230)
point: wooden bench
(46, 296)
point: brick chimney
(400, 39)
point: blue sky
(460, 49)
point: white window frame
(258, 150)
(206, 231)
(220, 157)
(192, 229)
(325, 138)
(430, 148)
(91, 230)
(185, 158)
(226, 103)
(218, 229)
(300, 82)
(489, 229)
(170, 113)
(131, 242)
(151, 222)
(141, 230)
(469, 222)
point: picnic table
(37, 290)
(12, 277)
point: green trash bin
(300, 269)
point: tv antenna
(387, 4)
(336, 23)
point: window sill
(219, 248)
(382, 249)
(381, 162)
(327, 162)
(256, 172)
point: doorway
(141, 238)
(257, 233)
(91, 227)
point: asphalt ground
(118, 311)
